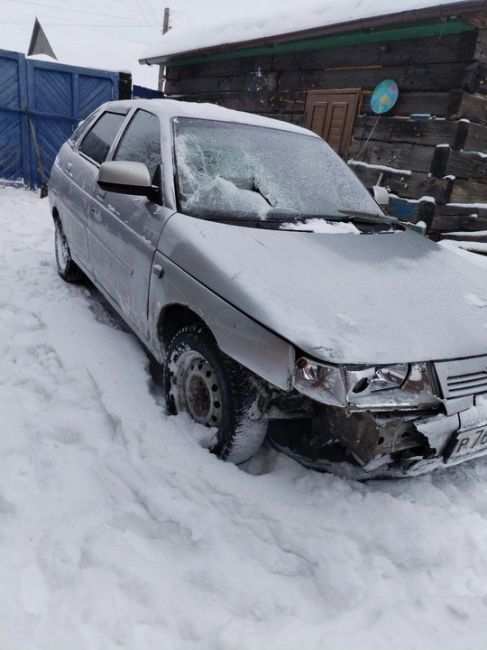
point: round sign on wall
(384, 97)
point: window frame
(159, 196)
(123, 114)
(83, 127)
(126, 126)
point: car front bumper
(388, 445)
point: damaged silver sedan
(278, 296)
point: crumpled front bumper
(444, 437)
(453, 439)
(394, 446)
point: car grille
(462, 377)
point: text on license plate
(470, 441)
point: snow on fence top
(286, 17)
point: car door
(92, 151)
(73, 208)
(130, 226)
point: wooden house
(429, 150)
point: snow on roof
(288, 17)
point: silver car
(278, 296)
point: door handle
(68, 169)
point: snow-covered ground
(118, 530)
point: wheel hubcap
(195, 389)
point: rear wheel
(66, 267)
(215, 390)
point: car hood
(345, 298)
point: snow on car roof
(170, 108)
(286, 18)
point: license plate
(468, 441)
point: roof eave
(439, 12)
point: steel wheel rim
(195, 389)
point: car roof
(170, 108)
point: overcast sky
(108, 33)
(139, 19)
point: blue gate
(41, 104)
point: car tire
(66, 267)
(215, 391)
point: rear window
(99, 139)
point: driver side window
(141, 141)
(97, 142)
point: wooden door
(331, 115)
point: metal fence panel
(140, 92)
(94, 91)
(59, 96)
(41, 104)
(14, 139)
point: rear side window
(141, 141)
(98, 140)
(83, 127)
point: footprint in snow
(475, 301)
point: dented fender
(240, 337)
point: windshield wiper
(250, 184)
(357, 216)
(256, 188)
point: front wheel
(66, 267)
(216, 392)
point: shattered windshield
(227, 170)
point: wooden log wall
(427, 71)
(432, 137)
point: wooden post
(162, 69)
(165, 23)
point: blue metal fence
(41, 104)
(140, 92)
(14, 137)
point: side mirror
(125, 177)
(381, 195)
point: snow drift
(118, 530)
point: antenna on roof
(165, 23)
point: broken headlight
(320, 382)
(370, 380)
(377, 388)
(398, 386)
